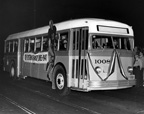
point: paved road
(32, 96)
(17, 98)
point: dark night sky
(21, 15)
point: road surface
(32, 96)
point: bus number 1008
(103, 61)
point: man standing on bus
(51, 46)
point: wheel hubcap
(12, 71)
(60, 81)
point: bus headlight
(98, 70)
(130, 69)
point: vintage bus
(90, 54)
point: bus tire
(60, 79)
(13, 71)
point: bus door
(25, 55)
(19, 57)
(80, 46)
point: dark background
(21, 15)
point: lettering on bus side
(36, 58)
(102, 61)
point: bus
(90, 54)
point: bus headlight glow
(130, 69)
(98, 70)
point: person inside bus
(51, 46)
(115, 42)
(96, 44)
(63, 45)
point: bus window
(122, 43)
(131, 43)
(45, 43)
(63, 41)
(32, 42)
(11, 46)
(26, 45)
(15, 46)
(38, 44)
(76, 37)
(125, 44)
(100, 42)
(109, 42)
(116, 43)
(84, 36)
(7, 47)
(96, 43)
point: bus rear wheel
(61, 81)
(13, 71)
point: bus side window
(45, 43)
(63, 41)
(74, 46)
(38, 44)
(7, 46)
(15, 46)
(11, 46)
(84, 38)
(76, 37)
(26, 45)
(32, 46)
(86, 35)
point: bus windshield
(111, 42)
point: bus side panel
(63, 57)
(42, 73)
(34, 69)
(26, 68)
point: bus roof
(70, 24)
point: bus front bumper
(109, 85)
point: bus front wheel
(61, 81)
